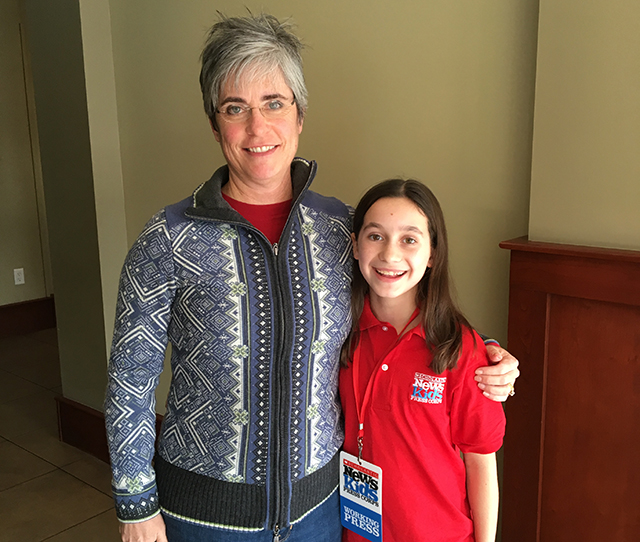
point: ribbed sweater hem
(207, 501)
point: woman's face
(259, 151)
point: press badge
(361, 497)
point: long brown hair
(439, 314)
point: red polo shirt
(414, 427)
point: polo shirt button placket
(383, 384)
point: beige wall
(106, 163)
(21, 244)
(437, 90)
(586, 152)
(55, 44)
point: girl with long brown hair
(407, 386)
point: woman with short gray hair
(251, 47)
(248, 280)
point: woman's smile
(261, 150)
(258, 150)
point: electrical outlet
(18, 276)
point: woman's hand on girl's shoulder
(497, 380)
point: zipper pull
(276, 533)
(275, 248)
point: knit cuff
(138, 507)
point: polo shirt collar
(368, 320)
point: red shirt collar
(368, 320)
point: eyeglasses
(273, 109)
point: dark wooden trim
(523, 244)
(27, 317)
(83, 427)
(583, 273)
(523, 442)
(569, 453)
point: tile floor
(48, 490)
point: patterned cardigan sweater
(252, 425)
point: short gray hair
(253, 46)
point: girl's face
(393, 249)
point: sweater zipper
(275, 499)
(277, 514)
(280, 420)
(280, 508)
(278, 534)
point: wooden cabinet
(572, 448)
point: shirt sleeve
(147, 287)
(477, 423)
(488, 340)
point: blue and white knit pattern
(139, 342)
(321, 255)
(206, 286)
(208, 407)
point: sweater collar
(207, 200)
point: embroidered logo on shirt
(428, 388)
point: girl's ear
(354, 242)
